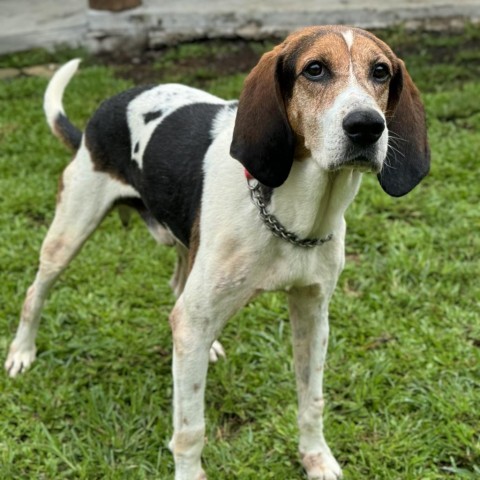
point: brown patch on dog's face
(366, 53)
(310, 98)
(344, 56)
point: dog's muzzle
(363, 128)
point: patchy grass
(402, 384)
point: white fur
(348, 36)
(334, 150)
(52, 103)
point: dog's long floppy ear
(263, 141)
(408, 157)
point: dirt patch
(201, 61)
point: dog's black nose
(363, 127)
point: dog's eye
(380, 72)
(314, 71)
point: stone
(6, 73)
(44, 71)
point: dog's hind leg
(84, 198)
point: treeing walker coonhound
(251, 193)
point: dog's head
(340, 96)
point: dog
(252, 194)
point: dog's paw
(216, 351)
(19, 359)
(321, 466)
(199, 475)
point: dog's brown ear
(408, 156)
(263, 141)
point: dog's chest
(256, 261)
(290, 266)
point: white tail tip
(52, 101)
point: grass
(403, 378)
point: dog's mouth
(360, 162)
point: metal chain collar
(274, 225)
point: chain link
(274, 225)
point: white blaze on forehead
(348, 36)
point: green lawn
(403, 377)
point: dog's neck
(312, 201)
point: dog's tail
(52, 104)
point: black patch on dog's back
(172, 173)
(107, 137)
(148, 117)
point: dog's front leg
(196, 321)
(309, 319)
(190, 364)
